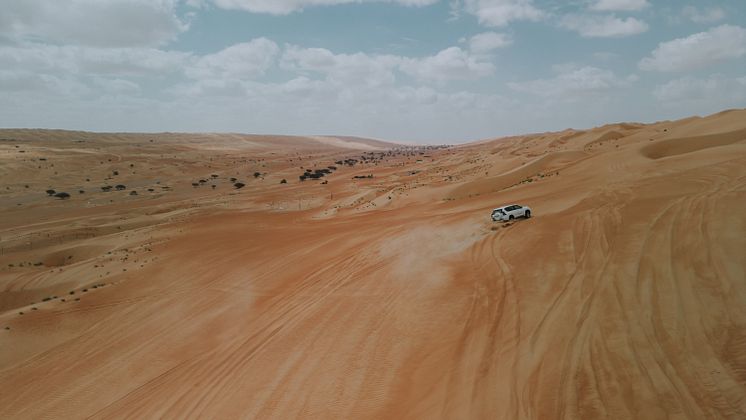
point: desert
(373, 209)
(211, 276)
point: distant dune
(256, 276)
(238, 140)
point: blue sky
(408, 70)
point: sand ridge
(381, 289)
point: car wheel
(527, 214)
(511, 217)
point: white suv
(510, 212)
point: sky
(427, 71)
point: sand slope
(386, 297)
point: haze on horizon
(401, 70)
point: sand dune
(678, 146)
(391, 296)
(547, 165)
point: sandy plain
(391, 296)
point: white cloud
(573, 83)
(198, 4)
(38, 73)
(231, 71)
(698, 50)
(690, 88)
(619, 5)
(240, 61)
(25, 82)
(709, 15)
(128, 61)
(116, 86)
(450, 64)
(360, 68)
(100, 23)
(488, 41)
(76, 60)
(316, 105)
(502, 12)
(284, 7)
(702, 95)
(606, 26)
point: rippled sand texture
(386, 297)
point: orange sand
(391, 297)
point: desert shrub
(284, 181)
(120, 187)
(239, 185)
(62, 195)
(106, 188)
(234, 179)
(51, 192)
(257, 174)
(133, 193)
(81, 191)
(214, 175)
(195, 184)
(115, 172)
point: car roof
(503, 207)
